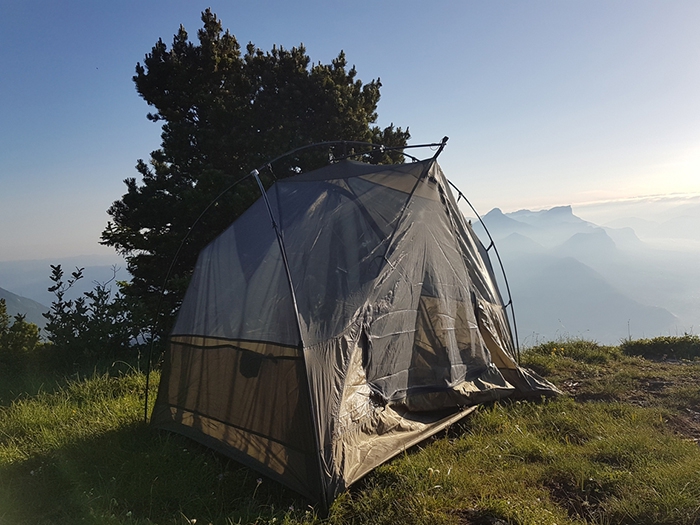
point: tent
(346, 316)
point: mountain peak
(560, 210)
(494, 213)
(557, 214)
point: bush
(667, 347)
(577, 349)
(95, 326)
(19, 340)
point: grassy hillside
(621, 447)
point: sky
(546, 103)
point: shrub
(96, 325)
(577, 349)
(19, 340)
(679, 347)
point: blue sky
(545, 102)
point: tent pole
(285, 261)
(443, 143)
(283, 251)
(345, 144)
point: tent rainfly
(346, 316)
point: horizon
(654, 267)
(601, 213)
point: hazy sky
(545, 102)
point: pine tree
(224, 113)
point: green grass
(618, 449)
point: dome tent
(345, 316)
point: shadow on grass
(49, 377)
(138, 475)
(15, 386)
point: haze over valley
(627, 277)
(628, 271)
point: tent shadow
(137, 473)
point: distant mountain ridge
(32, 310)
(547, 227)
(31, 278)
(572, 278)
(684, 224)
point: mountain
(556, 215)
(680, 222)
(499, 221)
(562, 297)
(682, 227)
(572, 278)
(546, 227)
(32, 310)
(517, 243)
(31, 278)
(625, 237)
(593, 245)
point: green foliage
(83, 454)
(224, 113)
(580, 370)
(93, 326)
(558, 357)
(555, 462)
(667, 347)
(578, 350)
(19, 340)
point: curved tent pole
(357, 143)
(285, 261)
(500, 263)
(283, 251)
(442, 145)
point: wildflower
(259, 482)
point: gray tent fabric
(396, 328)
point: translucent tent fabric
(395, 328)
